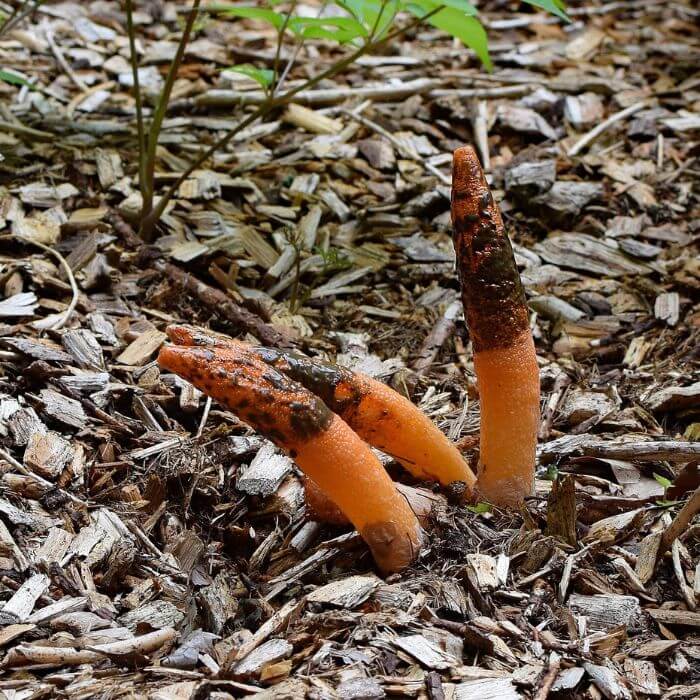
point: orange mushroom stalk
(504, 352)
(377, 413)
(319, 507)
(320, 442)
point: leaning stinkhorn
(377, 413)
(320, 442)
(504, 352)
(319, 507)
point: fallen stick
(404, 149)
(24, 654)
(595, 132)
(504, 352)
(320, 442)
(676, 451)
(63, 64)
(652, 451)
(440, 332)
(231, 98)
(224, 306)
(680, 524)
(549, 677)
(48, 485)
(430, 87)
(210, 297)
(482, 93)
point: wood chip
(487, 689)
(267, 653)
(347, 593)
(48, 454)
(20, 606)
(606, 612)
(142, 349)
(265, 473)
(63, 409)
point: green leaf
(263, 76)
(322, 33)
(13, 79)
(456, 23)
(481, 507)
(462, 5)
(367, 12)
(556, 7)
(248, 12)
(364, 11)
(663, 480)
(386, 19)
(341, 29)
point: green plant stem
(277, 85)
(280, 41)
(16, 17)
(380, 14)
(147, 187)
(150, 218)
(137, 91)
(8, 20)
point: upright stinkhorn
(377, 413)
(504, 352)
(320, 442)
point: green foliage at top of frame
(457, 19)
(262, 76)
(371, 20)
(556, 7)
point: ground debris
(153, 545)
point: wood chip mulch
(153, 546)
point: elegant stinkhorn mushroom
(321, 443)
(377, 413)
(319, 507)
(504, 352)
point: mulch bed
(154, 546)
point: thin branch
(65, 315)
(404, 149)
(679, 524)
(549, 677)
(280, 41)
(594, 133)
(39, 479)
(268, 105)
(26, 131)
(16, 17)
(378, 19)
(9, 19)
(288, 66)
(161, 108)
(137, 92)
(205, 417)
(61, 60)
